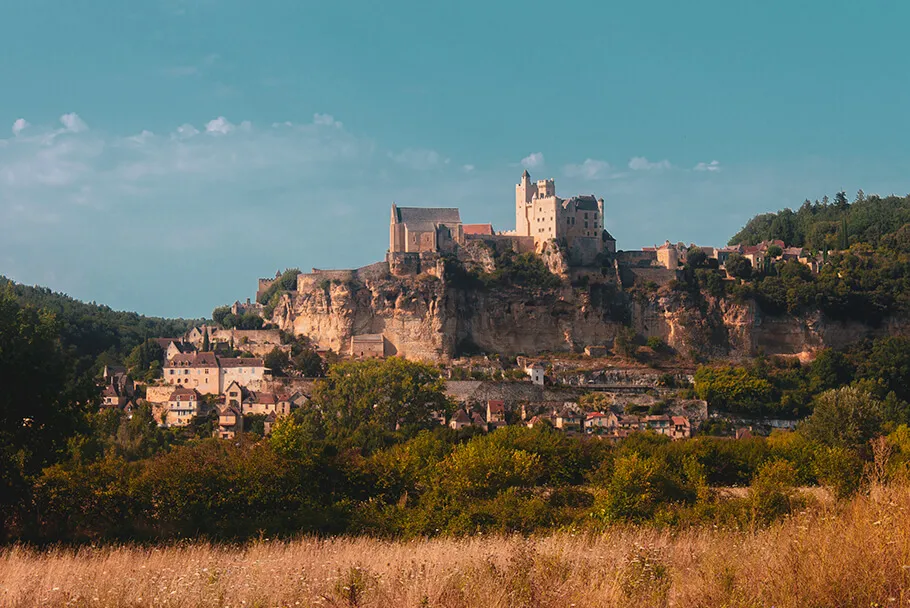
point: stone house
(681, 427)
(230, 422)
(246, 371)
(658, 423)
(210, 374)
(596, 422)
(537, 373)
(460, 420)
(568, 419)
(195, 370)
(496, 412)
(111, 397)
(366, 346)
(183, 404)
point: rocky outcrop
(431, 318)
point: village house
(182, 405)
(111, 397)
(540, 420)
(682, 427)
(569, 419)
(210, 374)
(460, 420)
(230, 422)
(496, 414)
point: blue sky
(160, 156)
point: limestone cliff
(428, 316)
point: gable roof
(240, 362)
(432, 215)
(193, 360)
(496, 406)
(484, 229)
(461, 416)
(181, 393)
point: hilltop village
(237, 369)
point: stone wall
(158, 394)
(637, 258)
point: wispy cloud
(712, 166)
(640, 163)
(418, 159)
(195, 68)
(532, 161)
(589, 169)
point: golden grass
(857, 554)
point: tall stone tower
(524, 192)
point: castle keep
(543, 215)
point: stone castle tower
(579, 220)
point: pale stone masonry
(419, 229)
(543, 215)
(210, 374)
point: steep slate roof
(433, 215)
(584, 202)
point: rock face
(432, 318)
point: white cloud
(532, 161)
(467, 168)
(220, 125)
(326, 120)
(141, 138)
(640, 163)
(418, 159)
(712, 166)
(19, 126)
(590, 169)
(185, 131)
(72, 123)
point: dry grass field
(855, 554)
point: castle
(576, 223)
(543, 215)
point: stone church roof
(432, 215)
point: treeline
(782, 387)
(95, 334)
(439, 482)
(827, 225)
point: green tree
(773, 491)
(733, 389)
(42, 402)
(739, 267)
(846, 417)
(277, 361)
(638, 487)
(379, 396)
(220, 313)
